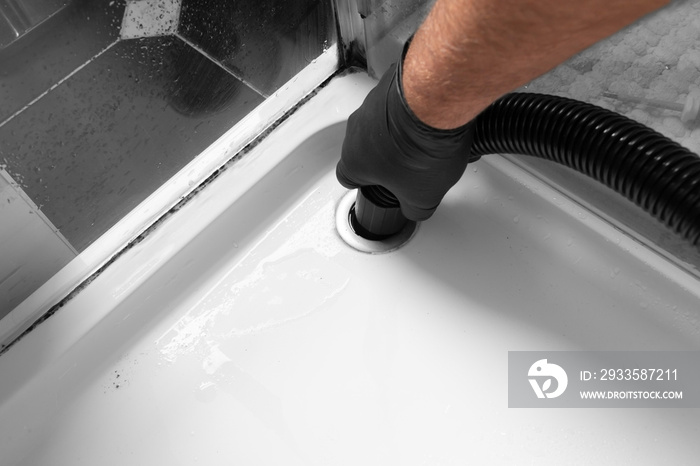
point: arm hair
(469, 53)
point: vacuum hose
(657, 174)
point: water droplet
(516, 219)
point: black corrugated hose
(657, 174)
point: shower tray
(243, 330)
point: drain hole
(358, 237)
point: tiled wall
(91, 124)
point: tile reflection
(101, 142)
(264, 42)
(51, 51)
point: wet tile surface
(101, 142)
(265, 42)
(50, 52)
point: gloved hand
(387, 145)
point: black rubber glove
(387, 145)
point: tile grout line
(54, 86)
(36, 210)
(220, 65)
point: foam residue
(270, 287)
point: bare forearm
(468, 53)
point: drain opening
(383, 239)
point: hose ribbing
(657, 174)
